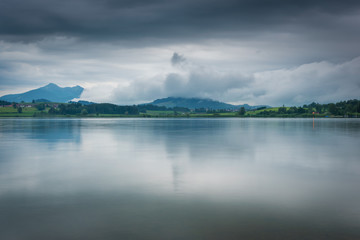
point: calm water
(179, 179)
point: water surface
(179, 179)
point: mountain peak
(51, 91)
(51, 85)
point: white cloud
(111, 73)
(186, 79)
(320, 82)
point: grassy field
(228, 114)
(13, 112)
(275, 109)
(160, 113)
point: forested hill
(197, 103)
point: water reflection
(47, 131)
(179, 178)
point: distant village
(30, 105)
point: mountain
(193, 103)
(82, 102)
(51, 92)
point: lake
(179, 179)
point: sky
(271, 52)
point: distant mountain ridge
(54, 93)
(50, 92)
(196, 103)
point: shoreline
(160, 116)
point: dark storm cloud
(125, 20)
(236, 50)
(177, 59)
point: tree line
(344, 108)
(98, 108)
(144, 107)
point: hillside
(51, 92)
(196, 103)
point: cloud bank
(240, 51)
(319, 81)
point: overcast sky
(132, 51)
